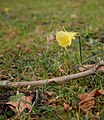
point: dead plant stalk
(99, 68)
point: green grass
(25, 53)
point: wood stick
(99, 68)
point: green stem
(64, 29)
(77, 59)
(80, 50)
(67, 53)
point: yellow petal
(64, 42)
(62, 38)
(6, 9)
(59, 35)
(69, 38)
(72, 35)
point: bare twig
(99, 68)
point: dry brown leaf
(74, 15)
(94, 93)
(86, 67)
(53, 105)
(67, 108)
(87, 99)
(101, 91)
(50, 93)
(83, 96)
(22, 103)
(1, 55)
(87, 104)
(101, 68)
(11, 33)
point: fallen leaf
(83, 96)
(1, 55)
(67, 108)
(101, 91)
(4, 77)
(87, 104)
(11, 34)
(86, 67)
(50, 93)
(87, 100)
(22, 103)
(94, 93)
(74, 15)
(101, 68)
(53, 105)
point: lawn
(29, 52)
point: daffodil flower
(65, 38)
(6, 10)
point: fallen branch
(99, 68)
